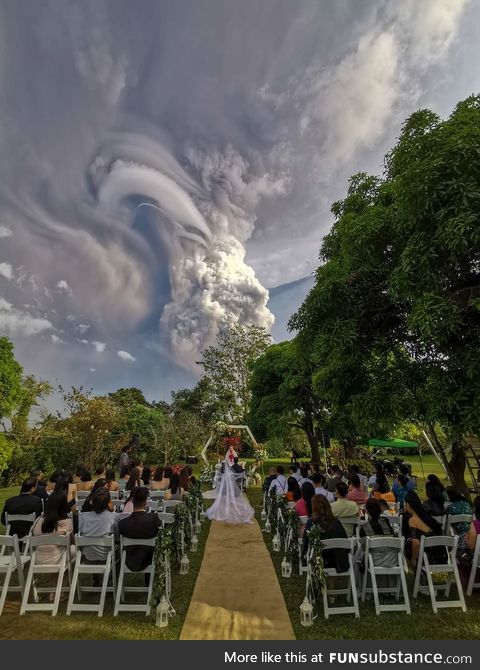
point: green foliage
(10, 379)
(126, 397)
(227, 367)
(6, 451)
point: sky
(167, 168)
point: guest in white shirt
(295, 473)
(303, 475)
(102, 521)
(279, 485)
(319, 482)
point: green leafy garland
(291, 526)
(316, 546)
(181, 523)
(162, 554)
(207, 476)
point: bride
(231, 505)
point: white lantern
(194, 543)
(198, 527)
(267, 528)
(306, 613)
(276, 544)
(264, 515)
(184, 565)
(286, 568)
(161, 619)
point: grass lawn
(421, 624)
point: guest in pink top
(355, 492)
(303, 507)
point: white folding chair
(60, 569)
(169, 504)
(105, 569)
(81, 495)
(157, 495)
(351, 524)
(166, 518)
(350, 590)
(442, 520)
(472, 584)
(152, 506)
(453, 519)
(12, 518)
(398, 571)
(449, 567)
(120, 605)
(11, 562)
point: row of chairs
(16, 555)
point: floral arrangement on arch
(234, 442)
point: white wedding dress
(231, 505)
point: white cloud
(84, 341)
(6, 271)
(125, 356)
(5, 231)
(92, 369)
(20, 322)
(56, 339)
(63, 285)
(82, 328)
(99, 346)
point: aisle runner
(237, 595)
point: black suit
(139, 526)
(25, 503)
(41, 492)
(237, 468)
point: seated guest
(77, 475)
(330, 528)
(319, 483)
(355, 470)
(175, 492)
(401, 490)
(381, 489)
(459, 505)
(303, 507)
(146, 476)
(64, 482)
(471, 537)
(416, 521)
(157, 478)
(378, 473)
(111, 484)
(99, 484)
(165, 481)
(435, 503)
(337, 476)
(140, 525)
(279, 485)
(345, 508)
(86, 482)
(134, 480)
(304, 475)
(124, 477)
(55, 521)
(293, 469)
(293, 490)
(272, 474)
(100, 473)
(185, 483)
(355, 491)
(40, 489)
(376, 525)
(25, 503)
(191, 476)
(128, 506)
(99, 522)
(435, 481)
(314, 469)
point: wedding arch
(203, 453)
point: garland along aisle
(170, 540)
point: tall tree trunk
(349, 446)
(456, 465)
(311, 436)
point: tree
(227, 367)
(283, 397)
(126, 397)
(10, 379)
(32, 391)
(392, 325)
